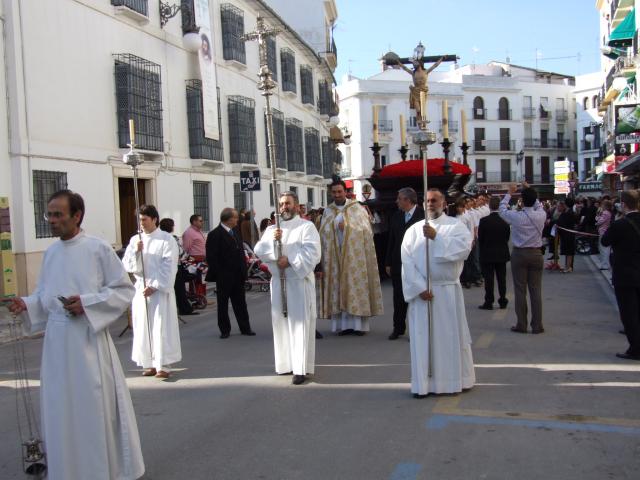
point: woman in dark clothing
(567, 219)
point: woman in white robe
(89, 426)
(293, 336)
(160, 254)
(452, 369)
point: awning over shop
(622, 35)
(630, 165)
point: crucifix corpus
(419, 74)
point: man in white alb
(293, 335)
(88, 421)
(449, 244)
(156, 336)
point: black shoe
(190, 313)
(250, 333)
(628, 356)
(518, 330)
(485, 306)
(225, 335)
(417, 395)
(348, 331)
(478, 283)
(359, 333)
(466, 284)
(537, 330)
(395, 335)
(318, 335)
(503, 305)
(298, 379)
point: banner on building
(207, 71)
(627, 119)
(7, 263)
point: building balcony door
(128, 207)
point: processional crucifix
(418, 101)
(266, 85)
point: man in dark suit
(623, 236)
(408, 214)
(493, 244)
(228, 268)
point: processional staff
(266, 85)
(134, 159)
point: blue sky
(561, 34)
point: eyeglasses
(51, 215)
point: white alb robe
(452, 359)
(160, 255)
(88, 423)
(294, 340)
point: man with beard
(293, 335)
(350, 278)
(449, 245)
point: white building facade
(519, 121)
(77, 70)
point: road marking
(439, 421)
(406, 471)
(484, 340)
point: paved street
(555, 406)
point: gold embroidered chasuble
(351, 282)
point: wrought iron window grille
(278, 138)
(312, 151)
(242, 129)
(232, 22)
(200, 146)
(288, 67)
(139, 97)
(306, 84)
(45, 184)
(201, 202)
(140, 6)
(324, 98)
(328, 157)
(295, 151)
(272, 59)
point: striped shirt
(526, 224)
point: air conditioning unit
(479, 112)
(483, 143)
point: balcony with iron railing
(453, 125)
(552, 143)
(529, 112)
(494, 145)
(385, 126)
(584, 145)
(496, 177)
(479, 113)
(562, 115)
(538, 178)
(545, 113)
(505, 114)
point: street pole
(266, 85)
